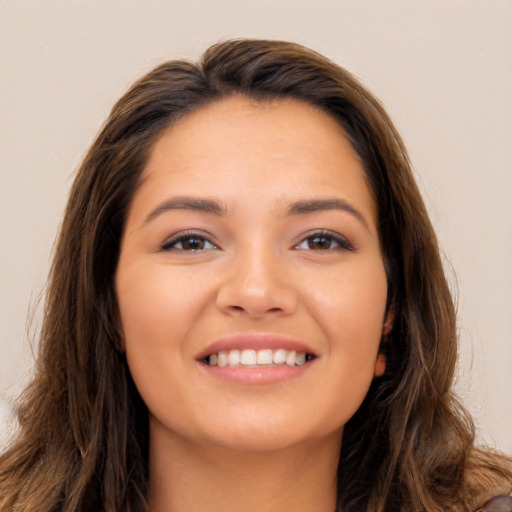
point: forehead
(262, 124)
(238, 147)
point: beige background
(442, 68)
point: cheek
(157, 309)
(357, 293)
(156, 305)
(350, 309)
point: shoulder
(487, 473)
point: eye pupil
(319, 243)
(193, 244)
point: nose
(258, 285)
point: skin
(217, 444)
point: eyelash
(330, 236)
(170, 244)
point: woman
(247, 309)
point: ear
(380, 365)
(387, 326)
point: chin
(265, 437)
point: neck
(186, 477)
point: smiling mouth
(251, 358)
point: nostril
(242, 309)
(256, 298)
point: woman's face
(251, 285)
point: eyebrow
(319, 205)
(212, 207)
(207, 206)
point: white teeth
(290, 358)
(250, 357)
(222, 358)
(279, 356)
(300, 358)
(233, 357)
(265, 357)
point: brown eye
(324, 241)
(319, 243)
(190, 243)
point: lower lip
(256, 376)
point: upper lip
(255, 341)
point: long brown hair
(83, 438)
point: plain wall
(442, 68)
